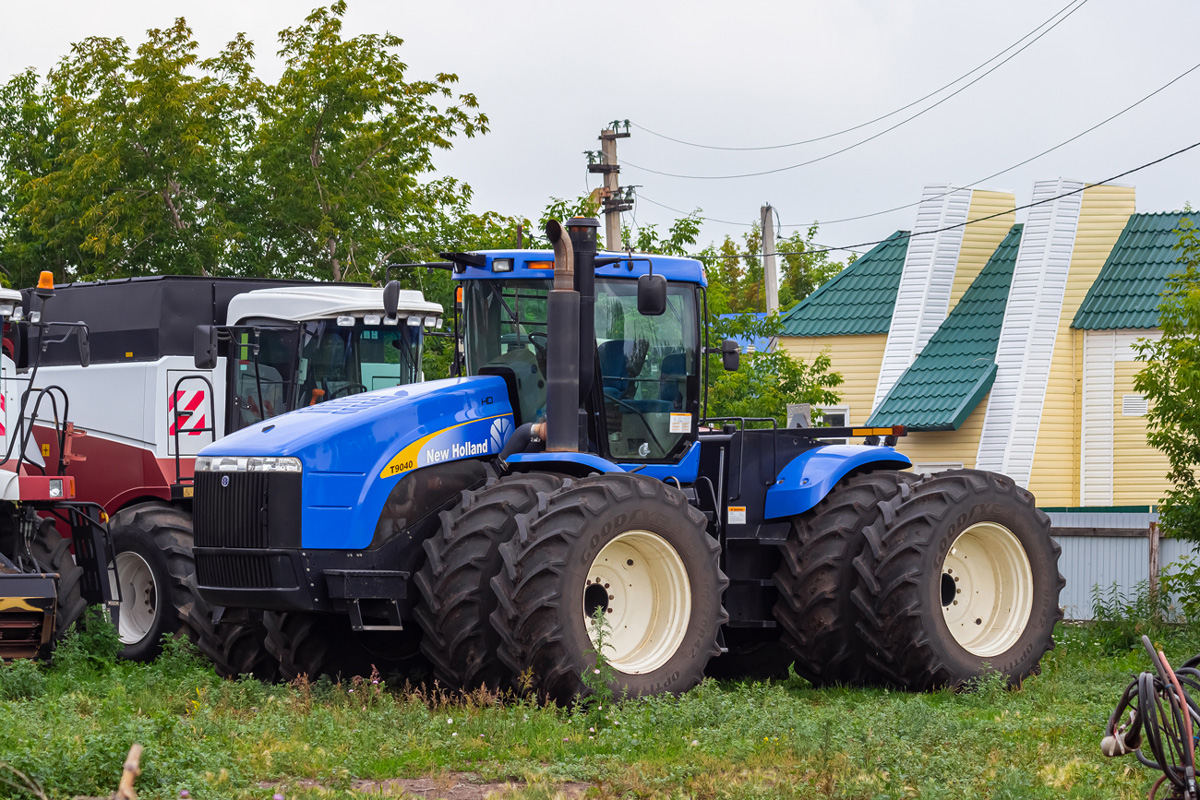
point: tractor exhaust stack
(562, 347)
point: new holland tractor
(570, 480)
(44, 587)
(146, 406)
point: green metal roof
(858, 300)
(957, 366)
(1128, 289)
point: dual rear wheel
(920, 582)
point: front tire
(632, 546)
(316, 645)
(958, 579)
(455, 581)
(152, 547)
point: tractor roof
(957, 367)
(1129, 287)
(323, 301)
(858, 300)
(540, 264)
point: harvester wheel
(957, 578)
(152, 545)
(455, 582)
(53, 553)
(816, 578)
(317, 645)
(631, 546)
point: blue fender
(810, 476)
(579, 464)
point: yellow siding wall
(982, 239)
(1139, 471)
(960, 446)
(856, 358)
(1055, 476)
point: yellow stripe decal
(410, 457)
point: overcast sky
(750, 74)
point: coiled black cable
(1157, 714)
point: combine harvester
(43, 590)
(145, 408)
(572, 476)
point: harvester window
(648, 370)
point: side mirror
(391, 299)
(652, 295)
(85, 345)
(731, 355)
(204, 346)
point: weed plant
(69, 728)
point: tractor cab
(641, 401)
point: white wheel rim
(986, 589)
(649, 601)
(139, 597)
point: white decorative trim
(923, 296)
(1031, 318)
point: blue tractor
(488, 524)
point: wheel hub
(986, 589)
(641, 583)
(139, 597)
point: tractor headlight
(248, 464)
(415, 322)
(502, 265)
(431, 322)
(56, 487)
(372, 319)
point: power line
(997, 174)
(892, 113)
(873, 136)
(641, 196)
(910, 235)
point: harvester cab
(43, 587)
(177, 363)
(570, 484)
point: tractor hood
(353, 450)
(362, 433)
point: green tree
(1171, 383)
(344, 144)
(767, 380)
(121, 163)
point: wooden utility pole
(770, 274)
(614, 199)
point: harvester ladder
(181, 416)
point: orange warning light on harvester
(46, 280)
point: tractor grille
(248, 571)
(246, 509)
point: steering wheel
(346, 390)
(642, 417)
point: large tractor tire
(626, 544)
(152, 547)
(234, 643)
(816, 578)
(456, 581)
(958, 578)
(324, 645)
(52, 553)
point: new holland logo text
(463, 450)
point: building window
(1134, 405)
(835, 417)
(930, 467)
